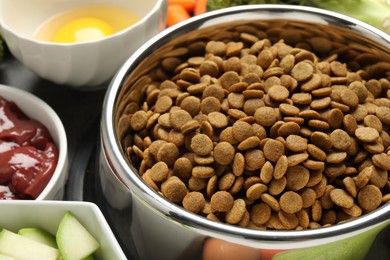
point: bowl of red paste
(33, 148)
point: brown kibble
(340, 139)
(348, 97)
(316, 211)
(369, 197)
(209, 67)
(366, 134)
(218, 48)
(217, 119)
(236, 100)
(315, 178)
(266, 116)
(242, 130)
(321, 140)
(254, 192)
(341, 198)
(335, 118)
(236, 213)
(228, 79)
(168, 153)
(319, 104)
(312, 84)
(191, 104)
(182, 168)
(288, 220)
(289, 110)
(238, 164)
(211, 185)
(190, 126)
(382, 161)
(276, 187)
(278, 93)
(374, 122)
(383, 113)
(336, 157)
(254, 159)
(379, 177)
(210, 104)
(214, 90)
(194, 201)
(260, 213)
(226, 181)
(290, 202)
(302, 71)
(201, 144)
(179, 117)
(318, 125)
(364, 176)
(203, 172)
(304, 219)
(249, 143)
(159, 172)
(138, 120)
(350, 124)
(163, 104)
(309, 196)
(354, 211)
(316, 152)
(262, 134)
(174, 189)
(296, 143)
(273, 149)
(224, 153)
(296, 159)
(360, 89)
(289, 128)
(267, 172)
(297, 177)
(222, 201)
(270, 201)
(301, 98)
(280, 167)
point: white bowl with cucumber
(55, 230)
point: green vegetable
(374, 12)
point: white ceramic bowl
(82, 65)
(37, 109)
(48, 214)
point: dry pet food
(267, 125)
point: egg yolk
(82, 30)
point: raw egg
(87, 23)
(82, 30)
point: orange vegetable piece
(189, 5)
(200, 7)
(175, 14)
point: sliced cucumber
(74, 240)
(22, 248)
(39, 235)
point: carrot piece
(189, 5)
(175, 14)
(200, 7)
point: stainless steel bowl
(163, 230)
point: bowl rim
(126, 173)
(62, 145)
(159, 4)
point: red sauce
(28, 156)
